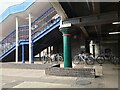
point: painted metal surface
(67, 47)
(17, 43)
(15, 9)
(23, 53)
(30, 42)
(24, 31)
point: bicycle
(83, 58)
(107, 56)
(100, 59)
(116, 60)
(57, 58)
(54, 58)
(46, 59)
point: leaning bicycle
(56, 58)
(107, 57)
(83, 58)
(46, 59)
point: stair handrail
(9, 41)
(37, 21)
(44, 23)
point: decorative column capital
(65, 30)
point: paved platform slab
(28, 78)
(41, 85)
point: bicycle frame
(85, 58)
(82, 56)
(56, 57)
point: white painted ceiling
(36, 10)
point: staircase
(40, 28)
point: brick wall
(73, 72)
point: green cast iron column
(66, 47)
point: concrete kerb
(56, 70)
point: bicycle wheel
(49, 60)
(111, 59)
(76, 59)
(54, 59)
(43, 59)
(100, 59)
(115, 60)
(60, 59)
(90, 61)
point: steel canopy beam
(63, 15)
(93, 20)
(96, 10)
(59, 9)
(84, 31)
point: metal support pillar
(40, 56)
(17, 43)
(87, 46)
(67, 47)
(23, 54)
(50, 49)
(47, 51)
(30, 43)
(93, 50)
(54, 49)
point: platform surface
(36, 78)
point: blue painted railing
(39, 26)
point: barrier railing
(23, 33)
(43, 22)
(39, 25)
(7, 43)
